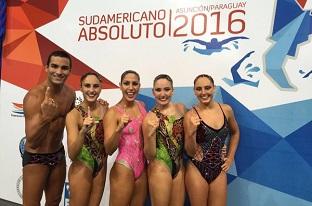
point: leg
(98, 185)
(80, 183)
(217, 191)
(178, 189)
(140, 191)
(55, 184)
(121, 185)
(160, 183)
(196, 186)
(34, 179)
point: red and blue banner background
(257, 51)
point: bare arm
(234, 138)
(75, 137)
(38, 117)
(190, 124)
(234, 133)
(113, 125)
(181, 108)
(149, 127)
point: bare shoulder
(36, 92)
(103, 104)
(33, 98)
(150, 115)
(180, 108)
(141, 103)
(227, 109)
(111, 113)
(73, 113)
(189, 113)
(73, 116)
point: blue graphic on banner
(288, 32)
(245, 192)
(248, 71)
(66, 194)
(212, 46)
(21, 146)
(286, 118)
(305, 74)
(273, 166)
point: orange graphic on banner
(25, 51)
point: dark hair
(204, 76)
(129, 72)
(60, 54)
(89, 74)
(163, 76)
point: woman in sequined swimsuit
(122, 130)
(208, 126)
(85, 141)
(163, 146)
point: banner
(258, 53)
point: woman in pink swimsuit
(122, 130)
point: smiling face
(204, 90)
(130, 86)
(162, 92)
(58, 70)
(91, 88)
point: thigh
(80, 183)
(121, 185)
(159, 183)
(178, 189)
(98, 185)
(34, 181)
(217, 191)
(196, 186)
(140, 191)
(55, 184)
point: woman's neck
(125, 103)
(163, 108)
(210, 105)
(86, 104)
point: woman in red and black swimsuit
(208, 126)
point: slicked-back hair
(89, 74)
(60, 53)
(163, 76)
(129, 72)
(204, 76)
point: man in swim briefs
(45, 109)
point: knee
(31, 203)
(54, 201)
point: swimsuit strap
(119, 109)
(140, 106)
(200, 116)
(84, 114)
(159, 115)
(162, 125)
(81, 110)
(225, 119)
(197, 113)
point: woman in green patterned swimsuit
(85, 142)
(163, 145)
